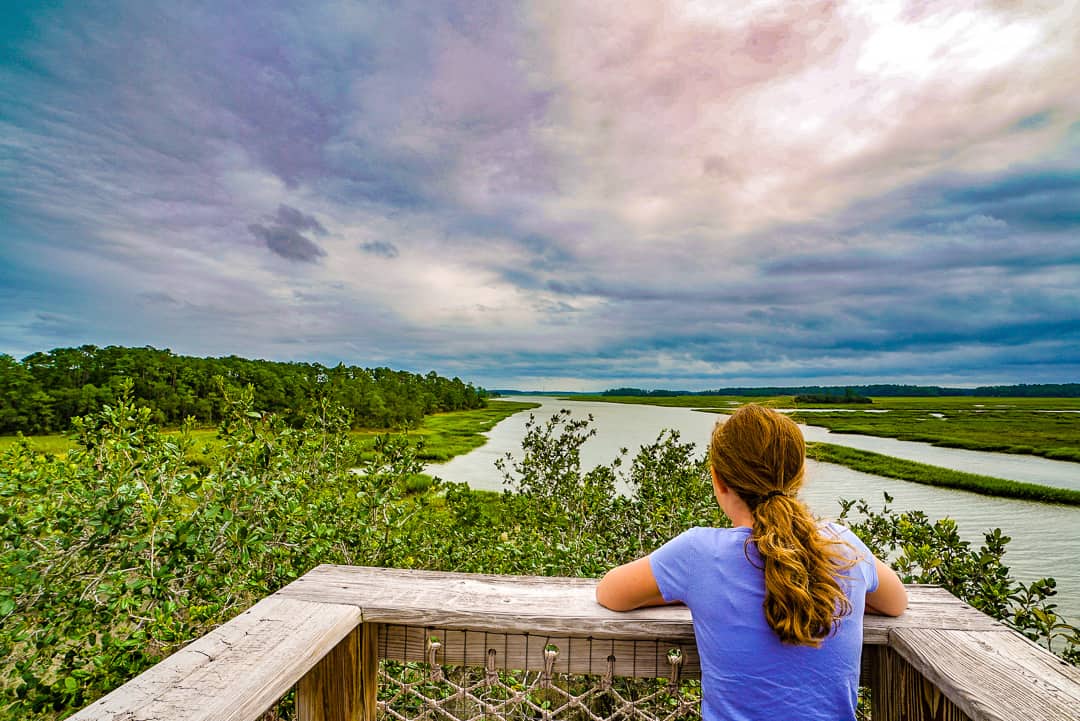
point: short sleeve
(865, 563)
(674, 564)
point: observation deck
(360, 644)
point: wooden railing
(325, 634)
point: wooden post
(343, 685)
(898, 692)
(369, 671)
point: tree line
(849, 396)
(45, 390)
(884, 390)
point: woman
(778, 599)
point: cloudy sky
(550, 193)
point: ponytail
(760, 454)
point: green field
(1005, 425)
(926, 403)
(445, 435)
(452, 434)
(54, 443)
(1051, 435)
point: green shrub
(118, 553)
(922, 551)
(121, 552)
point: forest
(45, 390)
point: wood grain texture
(638, 659)
(331, 690)
(369, 670)
(343, 686)
(940, 660)
(991, 676)
(557, 606)
(508, 604)
(235, 672)
(900, 693)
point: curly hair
(759, 454)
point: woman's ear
(717, 483)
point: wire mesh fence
(499, 677)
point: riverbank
(915, 431)
(926, 474)
(446, 435)
(1045, 427)
(1049, 433)
(926, 403)
(1033, 553)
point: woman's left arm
(890, 598)
(631, 585)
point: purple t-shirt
(746, 672)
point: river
(1046, 537)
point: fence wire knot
(435, 671)
(675, 658)
(491, 673)
(551, 652)
(609, 675)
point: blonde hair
(759, 454)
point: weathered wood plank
(900, 693)
(508, 604)
(928, 607)
(556, 606)
(369, 671)
(639, 659)
(235, 672)
(992, 676)
(941, 659)
(343, 685)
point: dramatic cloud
(382, 248)
(284, 235)
(537, 193)
(286, 242)
(294, 219)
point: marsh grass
(1021, 431)
(1004, 425)
(444, 436)
(706, 402)
(53, 443)
(925, 403)
(452, 434)
(882, 465)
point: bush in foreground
(117, 554)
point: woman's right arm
(890, 597)
(629, 586)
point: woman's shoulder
(718, 532)
(712, 537)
